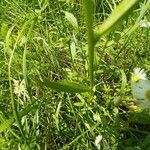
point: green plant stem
(88, 11)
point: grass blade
(25, 48)
(56, 115)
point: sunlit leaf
(71, 19)
(6, 124)
(79, 104)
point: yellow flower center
(135, 78)
(20, 89)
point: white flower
(19, 88)
(97, 141)
(138, 74)
(144, 24)
(141, 92)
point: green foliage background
(45, 42)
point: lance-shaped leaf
(67, 86)
(118, 13)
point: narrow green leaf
(118, 13)
(79, 104)
(7, 40)
(25, 49)
(71, 19)
(56, 116)
(67, 86)
(58, 109)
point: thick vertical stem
(88, 11)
